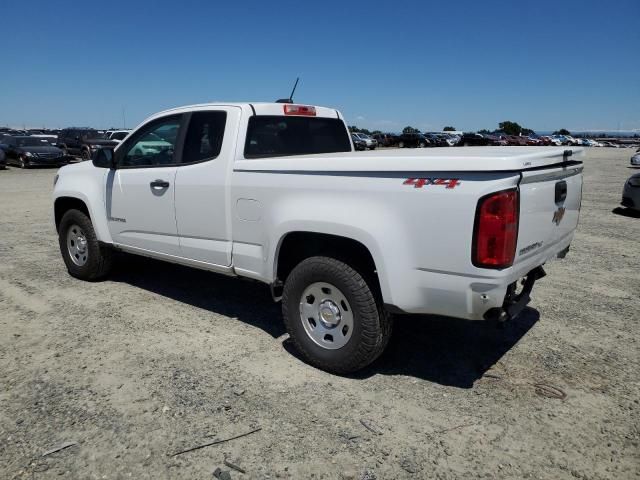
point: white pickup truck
(275, 192)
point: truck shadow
(448, 351)
(438, 349)
(248, 301)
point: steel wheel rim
(77, 245)
(326, 315)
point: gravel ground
(160, 358)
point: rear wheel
(82, 254)
(333, 316)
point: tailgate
(550, 201)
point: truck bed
(449, 159)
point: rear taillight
(303, 110)
(496, 230)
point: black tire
(22, 162)
(422, 145)
(400, 144)
(99, 261)
(85, 154)
(371, 327)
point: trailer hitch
(514, 301)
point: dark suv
(474, 140)
(386, 139)
(82, 142)
(413, 140)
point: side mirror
(104, 157)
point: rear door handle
(159, 184)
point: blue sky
(470, 64)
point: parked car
(452, 139)
(412, 140)
(545, 140)
(82, 142)
(635, 160)
(358, 143)
(473, 140)
(631, 193)
(561, 140)
(516, 140)
(275, 193)
(3, 159)
(496, 139)
(371, 143)
(117, 135)
(386, 139)
(436, 140)
(32, 151)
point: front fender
(86, 183)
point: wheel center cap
(81, 242)
(329, 314)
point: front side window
(204, 136)
(276, 136)
(153, 145)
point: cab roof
(255, 108)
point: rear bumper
(493, 294)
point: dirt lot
(160, 358)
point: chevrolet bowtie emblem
(558, 215)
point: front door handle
(159, 184)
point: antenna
(290, 99)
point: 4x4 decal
(421, 182)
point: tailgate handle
(561, 191)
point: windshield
(32, 142)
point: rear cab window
(277, 135)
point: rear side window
(275, 136)
(204, 136)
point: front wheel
(22, 162)
(82, 254)
(85, 155)
(333, 316)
